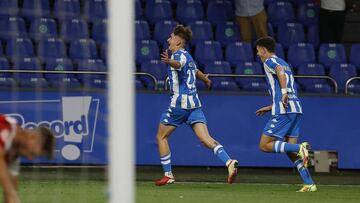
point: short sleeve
(271, 64)
(180, 57)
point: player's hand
(285, 100)
(263, 110)
(208, 81)
(165, 57)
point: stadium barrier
(348, 83)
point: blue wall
(329, 123)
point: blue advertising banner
(77, 119)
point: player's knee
(263, 147)
(161, 136)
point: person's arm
(280, 73)
(205, 78)
(263, 110)
(6, 182)
(173, 63)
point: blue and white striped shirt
(294, 105)
(182, 82)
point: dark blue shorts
(177, 116)
(283, 125)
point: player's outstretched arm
(263, 110)
(280, 73)
(173, 63)
(203, 77)
(9, 189)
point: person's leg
(299, 164)
(245, 28)
(164, 131)
(325, 26)
(198, 123)
(259, 22)
(273, 134)
(339, 20)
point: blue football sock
(304, 172)
(283, 147)
(166, 164)
(220, 152)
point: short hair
(266, 42)
(48, 144)
(183, 32)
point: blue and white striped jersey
(294, 105)
(182, 82)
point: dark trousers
(331, 24)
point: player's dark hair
(183, 32)
(266, 42)
(48, 139)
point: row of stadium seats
(226, 32)
(340, 72)
(187, 11)
(235, 52)
(70, 29)
(93, 10)
(40, 80)
(49, 48)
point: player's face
(174, 41)
(32, 147)
(261, 52)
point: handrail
(348, 83)
(79, 72)
(150, 76)
(263, 76)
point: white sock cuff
(217, 148)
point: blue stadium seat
(12, 27)
(138, 10)
(67, 9)
(268, 2)
(218, 67)
(202, 31)
(95, 10)
(313, 35)
(4, 65)
(146, 50)
(313, 85)
(35, 8)
(227, 32)
(29, 79)
(163, 29)
(330, 54)
(224, 85)
(156, 68)
(220, 11)
(189, 10)
(355, 55)
(251, 84)
(220, 83)
(208, 51)
(301, 53)
(51, 48)
(301, 2)
(1, 49)
(341, 73)
(9, 8)
(92, 80)
(308, 14)
(61, 80)
(99, 31)
(279, 50)
(290, 33)
(280, 12)
(270, 30)
(138, 84)
(41, 28)
(73, 29)
(7, 82)
(83, 49)
(142, 30)
(158, 10)
(239, 52)
(19, 48)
